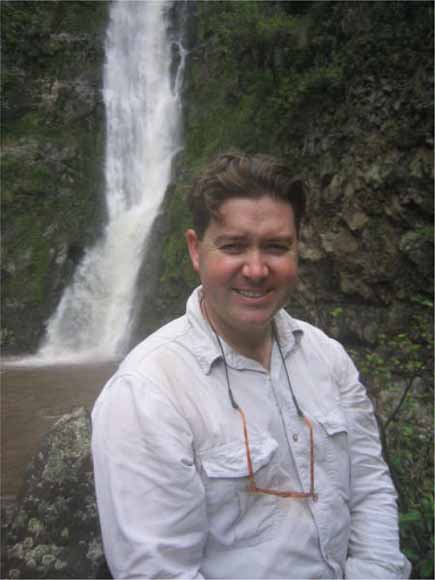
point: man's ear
(193, 247)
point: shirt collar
(206, 348)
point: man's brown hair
(236, 174)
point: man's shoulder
(161, 342)
(312, 336)
(152, 365)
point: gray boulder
(54, 530)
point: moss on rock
(338, 89)
(52, 138)
(54, 532)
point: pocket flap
(334, 422)
(230, 460)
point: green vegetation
(52, 144)
(399, 375)
(328, 85)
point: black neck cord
(230, 393)
(295, 401)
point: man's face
(247, 262)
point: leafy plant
(417, 530)
(399, 378)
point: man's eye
(278, 248)
(232, 248)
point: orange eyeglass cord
(252, 488)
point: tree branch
(400, 403)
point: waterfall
(142, 100)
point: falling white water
(143, 117)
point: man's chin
(253, 322)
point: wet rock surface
(53, 530)
(52, 156)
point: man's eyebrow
(281, 239)
(228, 238)
(225, 238)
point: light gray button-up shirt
(171, 471)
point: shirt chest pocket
(334, 437)
(235, 516)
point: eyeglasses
(252, 486)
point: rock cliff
(344, 91)
(52, 155)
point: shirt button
(295, 437)
(315, 497)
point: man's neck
(261, 353)
(257, 346)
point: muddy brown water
(32, 399)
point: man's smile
(251, 293)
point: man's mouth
(251, 293)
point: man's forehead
(236, 209)
(236, 226)
(240, 203)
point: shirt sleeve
(150, 497)
(374, 550)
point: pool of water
(32, 399)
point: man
(236, 441)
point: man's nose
(255, 266)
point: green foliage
(417, 527)
(52, 142)
(34, 261)
(426, 233)
(249, 42)
(336, 312)
(308, 88)
(274, 69)
(399, 375)
(20, 179)
(177, 278)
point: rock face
(52, 155)
(54, 530)
(343, 91)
